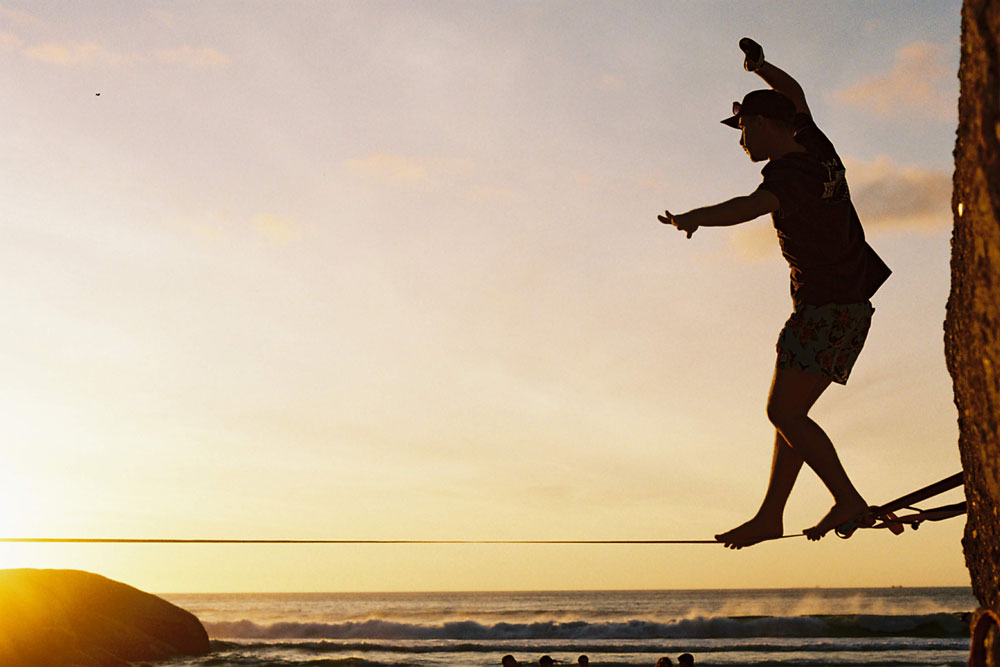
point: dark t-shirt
(818, 229)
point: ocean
(870, 626)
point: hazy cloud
(70, 54)
(490, 192)
(278, 228)
(397, 169)
(920, 84)
(755, 241)
(228, 226)
(611, 82)
(163, 17)
(75, 53)
(413, 171)
(658, 182)
(9, 41)
(192, 57)
(17, 16)
(887, 194)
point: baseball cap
(769, 103)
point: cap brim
(733, 122)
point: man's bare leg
(793, 393)
(813, 445)
(767, 523)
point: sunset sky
(385, 270)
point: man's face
(752, 138)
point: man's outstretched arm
(725, 214)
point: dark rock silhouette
(972, 327)
(69, 617)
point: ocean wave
(252, 661)
(857, 625)
(842, 646)
(357, 662)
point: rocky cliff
(972, 327)
(67, 617)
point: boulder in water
(69, 617)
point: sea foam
(819, 626)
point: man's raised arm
(775, 77)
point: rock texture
(72, 618)
(972, 327)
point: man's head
(583, 660)
(545, 661)
(685, 660)
(663, 662)
(509, 661)
(765, 119)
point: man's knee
(793, 394)
(781, 413)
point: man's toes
(814, 534)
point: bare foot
(757, 529)
(838, 515)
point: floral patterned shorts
(825, 340)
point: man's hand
(754, 54)
(682, 222)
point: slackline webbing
(154, 540)
(883, 512)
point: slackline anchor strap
(884, 516)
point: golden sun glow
(389, 270)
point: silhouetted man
(583, 660)
(685, 660)
(545, 661)
(509, 661)
(834, 273)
